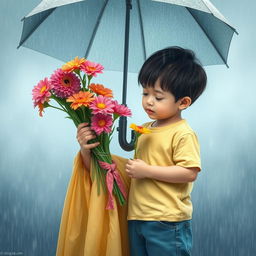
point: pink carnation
(91, 68)
(41, 92)
(101, 123)
(64, 83)
(121, 110)
(103, 105)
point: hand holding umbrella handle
(122, 135)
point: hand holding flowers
(84, 135)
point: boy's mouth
(149, 111)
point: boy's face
(160, 105)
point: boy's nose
(150, 101)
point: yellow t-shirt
(149, 199)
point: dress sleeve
(186, 151)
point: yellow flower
(73, 64)
(139, 129)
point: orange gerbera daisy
(101, 90)
(41, 109)
(73, 64)
(80, 99)
(140, 129)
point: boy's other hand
(85, 134)
(136, 168)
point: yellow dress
(87, 228)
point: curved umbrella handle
(122, 135)
(122, 129)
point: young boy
(167, 159)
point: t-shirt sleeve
(186, 151)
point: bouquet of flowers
(71, 89)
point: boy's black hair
(178, 71)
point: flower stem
(57, 108)
(83, 111)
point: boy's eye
(158, 98)
(144, 94)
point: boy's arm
(186, 159)
(174, 174)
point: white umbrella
(113, 31)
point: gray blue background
(36, 154)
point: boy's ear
(185, 102)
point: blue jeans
(160, 238)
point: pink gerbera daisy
(41, 92)
(121, 110)
(64, 83)
(91, 68)
(103, 105)
(101, 123)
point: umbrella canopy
(103, 30)
(95, 29)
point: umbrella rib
(26, 38)
(213, 9)
(210, 40)
(95, 28)
(142, 30)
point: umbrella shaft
(123, 120)
(126, 49)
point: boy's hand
(137, 169)
(84, 134)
